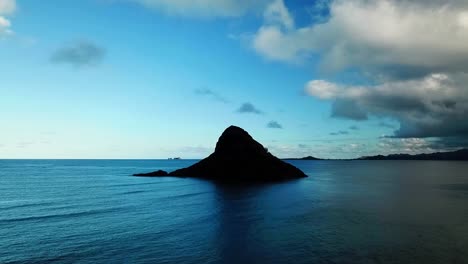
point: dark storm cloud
(79, 54)
(436, 126)
(434, 106)
(210, 93)
(386, 125)
(274, 124)
(450, 143)
(248, 108)
(348, 109)
(399, 72)
(354, 128)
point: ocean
(94, 211)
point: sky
(151, 79)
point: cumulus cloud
(394, 39)
(274, 124)
(210, 93)
(348, 109)
(79, 54)
(277, 13)
(204, 8)
(433, 106)
(413, 51)
(248, 108)
(406, 146)
(7, 7)
(5, 26)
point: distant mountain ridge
(304, 158)
(461, 154)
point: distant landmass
(461, 154)
(454, 155)
(304, 158)
(237, 158)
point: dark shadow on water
(238, 218)
(242, 218)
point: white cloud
(322, 89)
(412, 146)
(271, 42)
(7, 7)
(5, 25)
(376, 35)
(204, 8)
(277, 13)
(463, 19)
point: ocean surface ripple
(93, 211)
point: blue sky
(159, 78)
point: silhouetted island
(237, 158)
(461, 154)
(304, 158)
(159, 173)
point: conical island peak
(238, 158)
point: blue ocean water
(93, 211)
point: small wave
(41, 165)
(131, 192)
(61, 216)
(25, 205)
(181, 196)
(137, 184)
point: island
(304, 158)
(237, 158)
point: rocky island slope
(237, 158)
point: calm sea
(93, 211)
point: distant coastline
(305, 158)
(460, 155)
